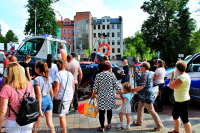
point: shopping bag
(91, 109)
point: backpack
(29, 110)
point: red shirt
(5, 64)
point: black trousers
(102, 117)
(75, 102)
(160, 99)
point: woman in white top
(181, 87)
(158, 79)
(53, 69)
(63, 79)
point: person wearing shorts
(63, 80)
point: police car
(193, 69)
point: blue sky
(13, 15)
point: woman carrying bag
(63, 92)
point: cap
(73, 54)
(8, 51)
(138, 67)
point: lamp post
(35, 16)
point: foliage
(195, 42)
(45, 18)
(135, 47)
(88, 51)
(168, 28)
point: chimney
(61, 18)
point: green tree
(88, 51)
(168, 28)
(135, 47)
(45, 18)
(10, 36)
(195, 42)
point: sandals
(126, 127)
(136, 124)
(172, 131)
(119, 126)
(158, 129)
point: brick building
(67, 31)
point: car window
(194, 66)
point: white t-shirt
(61, 77)
(161, 75)
(52, 71)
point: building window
(118, 34)
(95, 49)
(68, 23)
(94, 21)
(118, 42)
(113, 35)
(113, 26)
(65, 23)
(113, 50)
(73, 39)
(108, 35)
(99, 34)
(69, 31)
(108, 26)
(73, 31)
(113, 42)
(113, 57)
(108, 42)
(99, 27)
(104, 50)
(103, 26)
(69, 39)
(103, 20)
(108, 20)
(94, 27)
(65, 38)
(64, 31)
(118, 50)
(118, 26)
(94, 35)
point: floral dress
(104, 85)
(146, 94)
(126, 108)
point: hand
(132, 75)
(72, 100)
(41, 115)
(79, 81)
(173, 73)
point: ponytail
(49, 60)
(60, 64)
(43, 69)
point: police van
(193, 69)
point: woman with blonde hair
(27, 68)
(16, 80)
(126, 70)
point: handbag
(91, 109)
(58, 104)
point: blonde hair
(127, 86)
(16, 76)
(126, 62)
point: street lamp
(35, 16)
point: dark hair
(8, 54)
(181, 65)
(49, 60)
(60, 64)
(43, 67)
(161, 63)
(105, 58)
(127, 86)
(106, 66)
(27, 57)
(69, 57)
(73, 54)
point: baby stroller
(136, 97)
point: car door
(193, 69)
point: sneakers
(101, 130)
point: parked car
(193, 69)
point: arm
(155, 76)
(39, 98)
(56, 88)
(139, 88)
(174, 84)
(124, 100)
(73, 87)
(27, 74)
(93, 94)
(3, 82)
(132, 71)
(3, 109)
(80, 75)
(51, 92)
(120, 94)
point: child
(126, 107)
(137, 75)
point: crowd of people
(60, 82)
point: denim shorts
(47, 104)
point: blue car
(193, 69)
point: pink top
(15, 98)
(62, 51)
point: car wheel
(171, 98)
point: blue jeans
(47, 104)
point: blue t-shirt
(128, 96)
